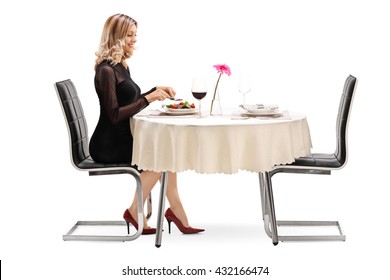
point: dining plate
(178, 111)
(264, 113)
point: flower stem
(215, 91)
(216, 85)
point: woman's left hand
(170, 91)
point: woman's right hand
(158, 94)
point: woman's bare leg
(174, 199)
(148, 181)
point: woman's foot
(130, 220)
(171, 217)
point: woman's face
(130, 39)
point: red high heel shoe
(185, 230)
(129, 219)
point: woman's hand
(170, 91)
(160, 94)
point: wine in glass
(199, 90)
(244, 86)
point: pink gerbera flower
(223, 69)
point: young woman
(120, 98)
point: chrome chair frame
(334, 161)
(80, 159)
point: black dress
(120, 98)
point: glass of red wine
(199, 90)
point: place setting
(178, 107)
(182, 107)
(257, 110)
(260, 110)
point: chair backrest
(343, 119)
(75, 120)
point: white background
(298, 53)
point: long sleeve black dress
(120, 98)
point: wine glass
(199, 90)
(244, 86)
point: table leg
(271, 208)
(161, 207)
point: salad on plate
(179, 108)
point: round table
(223, 144)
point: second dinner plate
(262, 113)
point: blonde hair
(112, 41)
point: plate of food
(179, 108)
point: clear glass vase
(216, 109)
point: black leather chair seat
(89, 163)
(318, 160)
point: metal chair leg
(70, 236)
(271, 224)
(262, 198)
(265, 205)
(271, 208)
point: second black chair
(316, 163)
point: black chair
(81, 160)
(316, 163)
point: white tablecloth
(223, 144)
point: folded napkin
(250, 107)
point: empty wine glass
(199, 90)
(244, 86)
